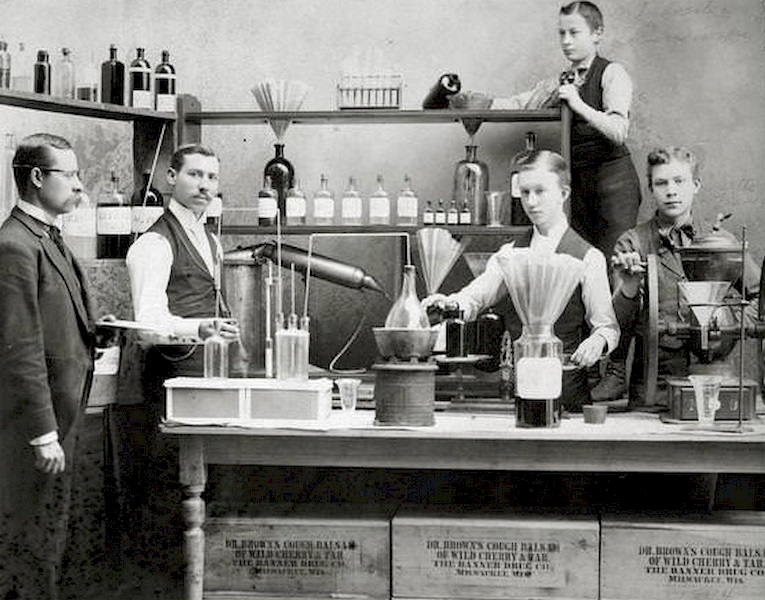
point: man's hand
(630, 272)
(589, 351)
(434, 305)
(49, 458)
(227, 328)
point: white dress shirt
(149, 262)
(489, 288)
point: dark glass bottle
(113, 222)
(113, 79)
(518, 216)
(268, 207)
(455, 331)
(42, 73)
(164, 84)
(140, 82)
(147, 205)
(282, 175)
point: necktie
(55, 235)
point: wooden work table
(627, 442)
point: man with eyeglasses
(47, 336)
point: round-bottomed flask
(216, 355)
(537, 357)
(406, 312)
(471, 182)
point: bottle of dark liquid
(147, 205)
(113, 79)
(538, 370)
(282, 175)
(517, 214)
(456, 343)
(268, 207)
(42, 73)
(140, 82)
(164, 85)
(113, 222)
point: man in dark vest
(174, 270)
(587, 326)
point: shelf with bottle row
(457, 230)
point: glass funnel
(703, 298)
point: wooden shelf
(81, 107)
(459, 230)
(370, 116)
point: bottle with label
(440, 218)
(147, 205)
(466, 216)
(282, 175)
(78, 228)
(351, 206)
(453, 214)
(295, 206)
(324, 205)
(5, 66)
(42, 73)
(140, 82)
(537, 358)
(64, 75)
(113, 221)
(113, 79)
(407, 205)
(379, 205)
(268, 207)
(428, 216)
(164, 85)
(518, 216)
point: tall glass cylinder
(216, 356)
(537, 357)
(471, 182)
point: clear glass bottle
(453, 214)
(21, 78)
(295, 206)
(282, 175)
(379, 205)
(113, 221)
(64, 75)
(42, 73)
(87, 84)
(216, 355)
(407, 205)
(268, 207)
(5, 66)
(471, 182)
(351, 205)
(428, 216)
(165, 99)
(537, 358)
(147, 205)
(324, 204)
(440, 218)
(78, 228)
(140, 82)
(113, 79)
(518, 216)
(406, 312)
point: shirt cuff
(48, 438)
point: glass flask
(379, 205)
(406, 312)
(216, 355)
(282, 175)
(471, 182)
(537, 358)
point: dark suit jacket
(46, 333)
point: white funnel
(703, 298)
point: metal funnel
(703, 298)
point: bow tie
(573, 75)
(674, 237)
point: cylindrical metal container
(243, 291)
(405, 393)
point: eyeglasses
(65, 173)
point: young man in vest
(588, 325)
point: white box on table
(216, 400)
(683, 557)
(459, 552)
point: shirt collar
(186, 217)
(554, 235)
(38, 213)
(583, 66)
(676, 235)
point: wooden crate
(202, 400)
(451, 552)
(665, 557)
(317, 550)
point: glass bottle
(518, 216)
(302, 348)
(428, 216)
(5, 66)
(537, 358)
(216, 355)
(21, 78)
(440, 218)
(113, 79)
(406, 312)
(147, 205)
(64, 75)
(407, 205)
(140, 82)
(87, 86)
(164, 85)
(471, 182)
(78, 227)
(42, 73)
(351, 207)
(453, 214)
(295, 206)
(113, 221)
(466, 216)
(379, 205)
(282, 175)
(268, 208)
(455, 331)
(214, 213)
(324, 205)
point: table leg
(193, 478)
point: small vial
(440, 214)
(428, 216)
(453, 215)
(465, 215)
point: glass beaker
(537, 357)
(706, 389)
